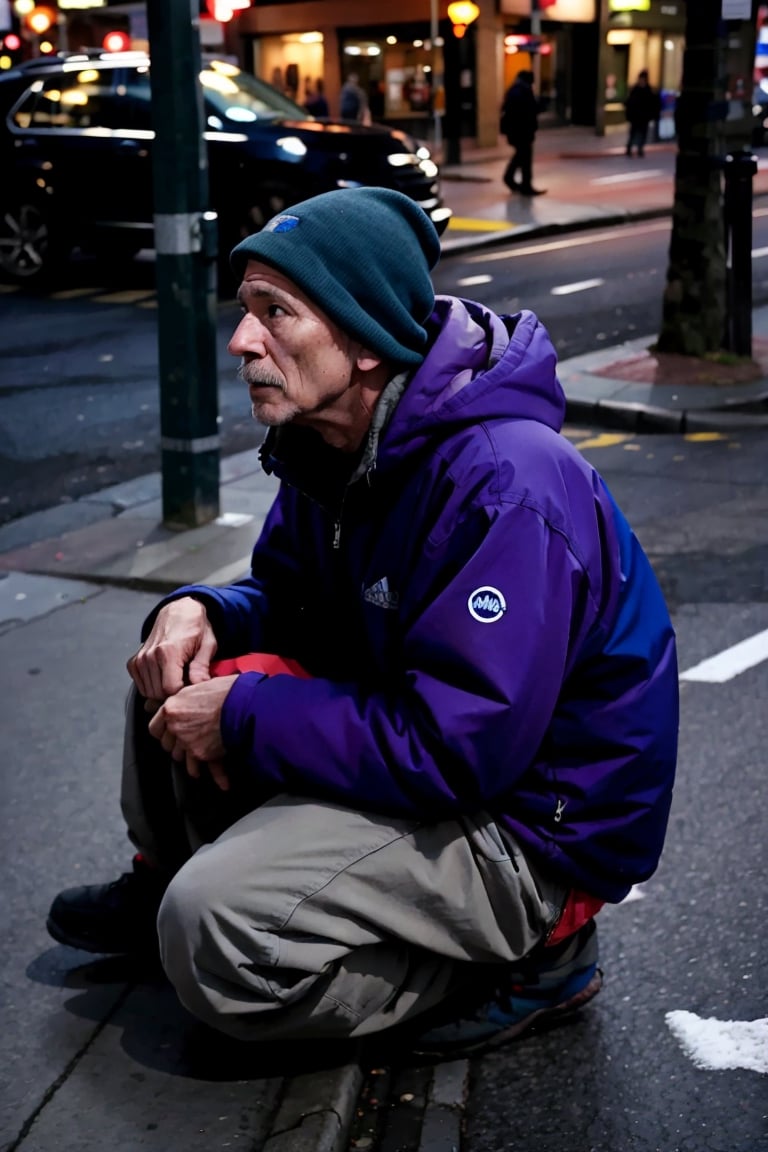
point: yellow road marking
(471, 224)
(129, 296)
(72, 293)
(604, 440)
(703, 437)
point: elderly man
(464, 740)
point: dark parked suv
(76, 144)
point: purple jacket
(483, 628)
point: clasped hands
(171, 670)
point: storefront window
(292, 63)
(396, 72)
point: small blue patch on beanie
(281, 224)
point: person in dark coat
(315, 101)
(519, 122)
(643, 107)
(353, 103)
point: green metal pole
(185, 243)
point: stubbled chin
(275, 414)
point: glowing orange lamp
(461, 13)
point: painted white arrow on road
(720, 1044)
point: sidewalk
(98, 1050)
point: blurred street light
(461, 13)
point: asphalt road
(592, 289)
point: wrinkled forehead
(263, 282)
(260, 279)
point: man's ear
(367, 361)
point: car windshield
(241, 98)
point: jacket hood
(479, 367)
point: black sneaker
(114, 918)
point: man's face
(297, 363)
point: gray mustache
(251, 374)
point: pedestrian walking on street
(643, 106)
(389, 777)
(519, 123)
(353, 102)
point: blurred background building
(585, 54)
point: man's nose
(248, 338)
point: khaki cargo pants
(292, 917)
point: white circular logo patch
(487, 605)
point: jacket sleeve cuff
(238, 718)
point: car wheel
(26, 250)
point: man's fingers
(157, 725)
(218, 775)
(193, 766)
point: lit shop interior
(396, 70)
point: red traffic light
(12, 42)
(116, 42)
(224, 10)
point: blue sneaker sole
(550, 1015)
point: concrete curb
(316, 1111)
(647, 418)
(553, 228)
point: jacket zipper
(337, 521)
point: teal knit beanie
(363, 255)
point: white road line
(730, 662)
(756, 252)
(579, 286)
(633, 894)
(717, 1045)
(570, 242)
(468, 281)
(628, 177)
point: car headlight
(292, 145)
(400, 159)
(429, 168)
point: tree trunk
(713, 117)
(693, 317)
